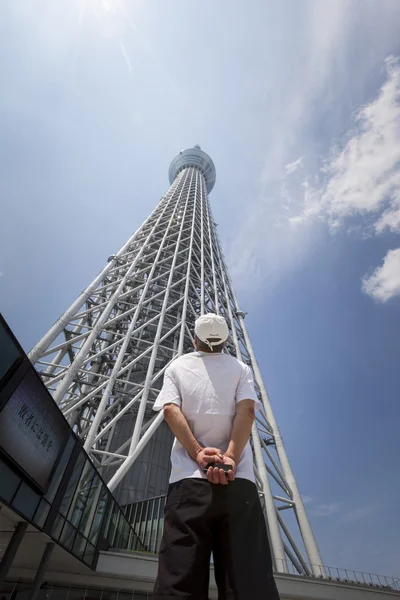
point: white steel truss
(105, 357)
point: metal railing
(358, 578)
(147, 520)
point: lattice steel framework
(105, 357)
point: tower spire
(104, 359)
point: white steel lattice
(104, 359)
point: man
(209, 403)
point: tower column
(300, 511)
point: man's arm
(241, 429)
(180, 428)
(240, 433)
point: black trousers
(227, 520)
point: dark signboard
(10, 354)
(33, 431)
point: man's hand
(206, 456)
(216, 475)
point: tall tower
(104, 359)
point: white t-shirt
(207, 386)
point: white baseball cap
(211, 329)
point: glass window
(41, 513)
(43, 593)
(9, 482)
(26, 500)
(57, 527)
(109, 595)
(68, 534)
(143, 518)
(8, 587)
(108, 515)
(99, 514)
(152, 521)
(59, 592)
(79, 546)
(124, 595)
(58, 473)
(152, 529)
(133, 514)
(110, 535)
(22, 592)
(76, 593)
(122, 532)
(91, 506)
(78, 503)
(93, 594)
(89, 554)
(69, 492)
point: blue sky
(298, 103)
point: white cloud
(364, 176)
(357, 514)
(390, 218)
(275, 245)
(384, 283)
(344, 516)
(326, 510)
(297, 220)
(294, 166)
(361, 173)
(126, 57)
(307, 499)
(363, 179)
(327, 31)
